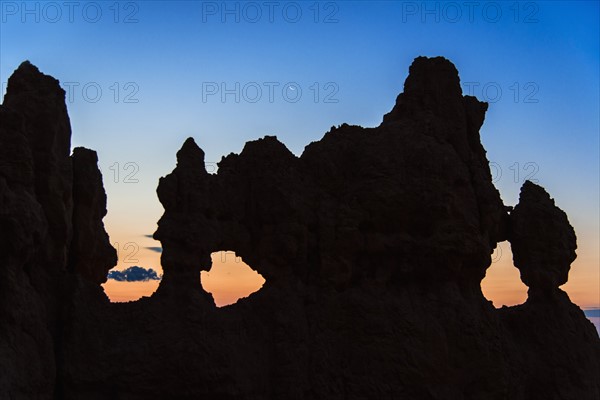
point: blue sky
(536, 62)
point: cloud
(156, 249)
(134, 274)
(594, 313)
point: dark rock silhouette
(91, 252)
(373, 244)
(542, 240)
(543, 329)
(50, 218)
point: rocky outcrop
(410, 200)
(41, 215)
(542, 240)
(91, 253)
(548, 329)
(373, 244)
(39, 101)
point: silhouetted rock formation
(373, 244)
(542, 240)
(91, 255)
(410, 200)
(49, 212)
(548, 329)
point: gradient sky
(157, 64)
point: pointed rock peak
(437, 75)
(432, 88)
(27, 65)
(190, 155)
(532, 193)
(28, 78)
(190, 145)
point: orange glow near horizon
(502, 283)
(133, 250)
(119, 292)
(503, 286)
(229, 278)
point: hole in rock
(138, 271)
(502, 283)
(230, 278)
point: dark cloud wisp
(134, 274)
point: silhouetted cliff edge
(373, 244)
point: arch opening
(230, 278)
(138, 272)
(502, 284)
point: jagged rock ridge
(373, 244)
